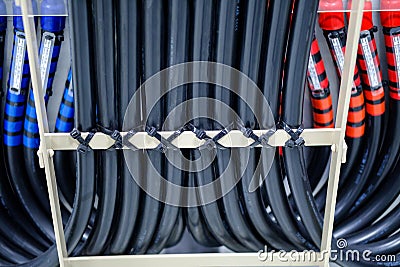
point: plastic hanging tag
(46, 53)
(17, 67)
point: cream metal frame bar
(313, 137)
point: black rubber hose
(387, 193)
(272, 77)
(387, 246)
(389, 158)
(281, 209)
(13, 233)
(85, 121)
(201, 41)
(177, 47)
(226, 16)
(198, 228)
(65, 123)
(13, 131)
(333, 26)
(374, 207)
(18, 214)
(375, 107)
(336, 38)
(294, 161)
(107, 119)
(153, 37)
(19, 235)
(178, 230)
(259, 26)
(247, 35)
(50, 45)
(391, 144)
(301, 34)
(321, 102)
(384, 227)
(128, 80)
(11, 253)
(4, 262)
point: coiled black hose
(13, 130)
(153, 38)
(201, 44)
(128, 80)
(85, 121)
(177, 47)
(321, 101)
(65, 123)
(297, 54)
(107, 120)
(226, 15)
(49, 51)
(375, 107)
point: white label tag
(337, 49)
(396, 46)
(18, 63)
(313, 74)
(369, 60)
(46, 53)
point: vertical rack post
(339, 150)
(45, 154)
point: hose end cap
(390, 14)
(331, 16)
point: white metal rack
(313, 137)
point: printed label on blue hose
(46, 52)
(396, 46)
(313, 74)
(17, 67)
(371, 68)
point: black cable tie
(164, 143)
(200, 133)
(295, 138)
(258, 140)
(127, 137)
(210, 144)
(83, 143)
(116, 136)
(213, 143)
(248, 133)
(264, 138)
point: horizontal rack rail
(235, 138)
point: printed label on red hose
(396, 46)
(313, 75)
(17, 67)
(46, 52)
(370, 62)
(337, 48)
